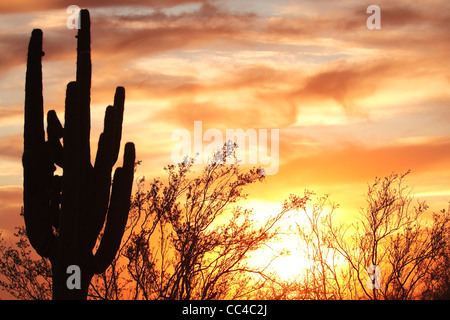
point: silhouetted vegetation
(409, 250)
(22, 275)
(190, 244)
(64, 215)
(187, 238)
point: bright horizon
(350, 103)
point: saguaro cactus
(64, 215)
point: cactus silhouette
(64, 215)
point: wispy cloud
(27, 6)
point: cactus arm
(107, 152)
(34, 102)
(118, 211)
(55, 152)
(38, 170)
(119, 101)
(109, 143)
(54, 133)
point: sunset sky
(350, 103)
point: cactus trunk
(65, 215)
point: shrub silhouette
(64, 215)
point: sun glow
(290, 257)
(285, 256)
(289, 266)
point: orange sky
(350, 103)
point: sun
(285, 254)
(289, 265)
